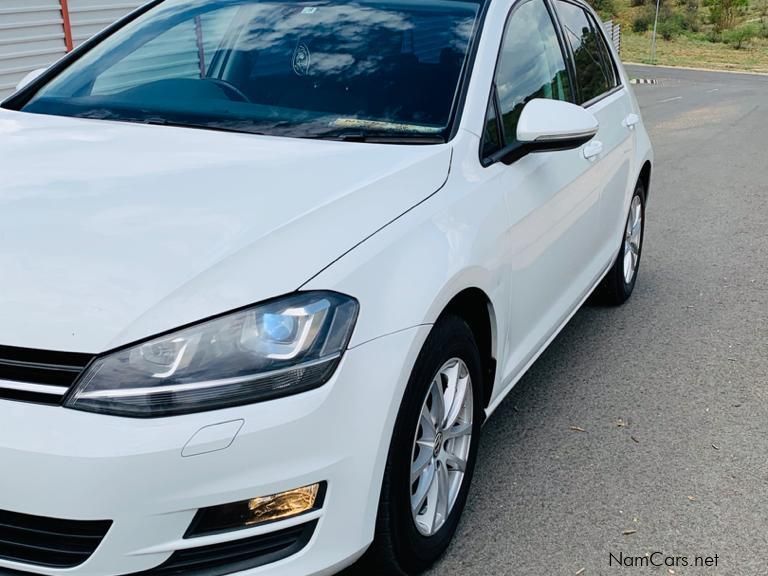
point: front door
(553, 198)
(600, 91)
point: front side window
(328, 69)
(531, 65)
(594, 70)
(491, 136)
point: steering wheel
(232, 91)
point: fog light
(255, 511)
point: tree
(740, 36)
(725, 12)
(692, 14)
(606, 8)
(762, 9)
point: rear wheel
(618, 284)
(432, 455)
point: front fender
(407, 273)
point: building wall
(33, 33)
(90, 16)
(31, 36)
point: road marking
(713, 90)
(670, 99)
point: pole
(67, 23)
(653, 39)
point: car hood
(112, 232)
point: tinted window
(606, 56)
(283, 68)
(182, 52)
(531, 65)
(491, 136)
(593, 72)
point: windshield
(329, 69)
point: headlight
(275, 349)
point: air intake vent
(238, 555)
(40, 376)
(48, 541)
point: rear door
(600, 91)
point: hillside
(716, 34)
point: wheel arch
(645, 177)
(475, 307)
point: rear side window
(531, 65)
(594, 66)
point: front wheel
(432, 455)
(618, 284)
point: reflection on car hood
(112, 232)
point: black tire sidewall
(628, 287)
(450, 337)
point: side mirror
(29, 78)
(547, 125)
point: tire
(616, 287)
(401, 545)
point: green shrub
(691, 15)
(672, 19)
(665, 11)
(679, 21)
(739, 37)
(669, 29)
(713, 36)
(641, 24)
(724, 13)
(606, 8)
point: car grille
(48, 541)
(40, 376)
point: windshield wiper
(215, 127)
(105, 114)
(381, 137)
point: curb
(716, 70)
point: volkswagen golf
(267, 267)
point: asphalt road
(671, 390)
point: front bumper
(60, 463)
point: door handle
(631, 121)
(593, 149)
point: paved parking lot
(670, 390)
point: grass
(691, 49)
(695, 52)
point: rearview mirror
(29, 78)
(547, 125)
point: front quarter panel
(406, 274)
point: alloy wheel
(441, 446)
(633, 237)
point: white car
(267, 267)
